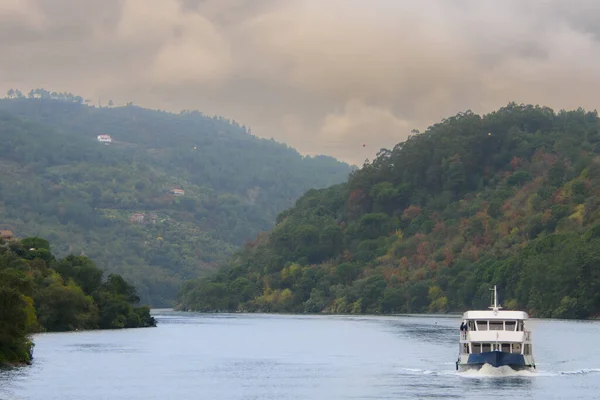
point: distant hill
(169, 198)
(509, 198)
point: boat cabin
(495, 325)
(485, 331)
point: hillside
(508, 198)
(116, 203)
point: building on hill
(177, 192)
(137, 218)
(104, 138)
(6, 235)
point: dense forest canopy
(508, 198)
(40, 293)
(120, 203)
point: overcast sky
(324, 76)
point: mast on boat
(495, 307)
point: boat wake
(584, 371)
(489, 371)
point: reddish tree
(412, 211)
(546, 216)
(464, 223)
(479, 240)
(558, 197)
(515, 163)
(473, 252)
(448, 256)
(355, 201)
(485, 206)
(439, 227)
(420, 274)
(404, 263)
(419, 236)
(503, 229)
(423, 251)
(549, 159)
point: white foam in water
(419, 371)
(581, 371)
(488, 371)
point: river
(241, 356)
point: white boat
(495, 337)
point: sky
(324, 76)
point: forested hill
(508, 198)
(117, 203)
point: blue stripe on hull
(497, 359)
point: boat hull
(495, 359)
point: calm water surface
(197, 356)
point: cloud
(325, 77)
(189, 47)
(367, 128)
(25, 13)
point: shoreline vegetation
(449, 314)
(509, 198)
(40, 293)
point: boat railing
(463, 335)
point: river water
(217, 356)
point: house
(137, 218)
(6, 235)
(177, 192)
(104, 138)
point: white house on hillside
(104, 138)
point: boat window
(516, 348)
(496, 326)
(506, 347)
(486, 347)
(475, 348)
(482, 325)
(510, 325)
(527, 349)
